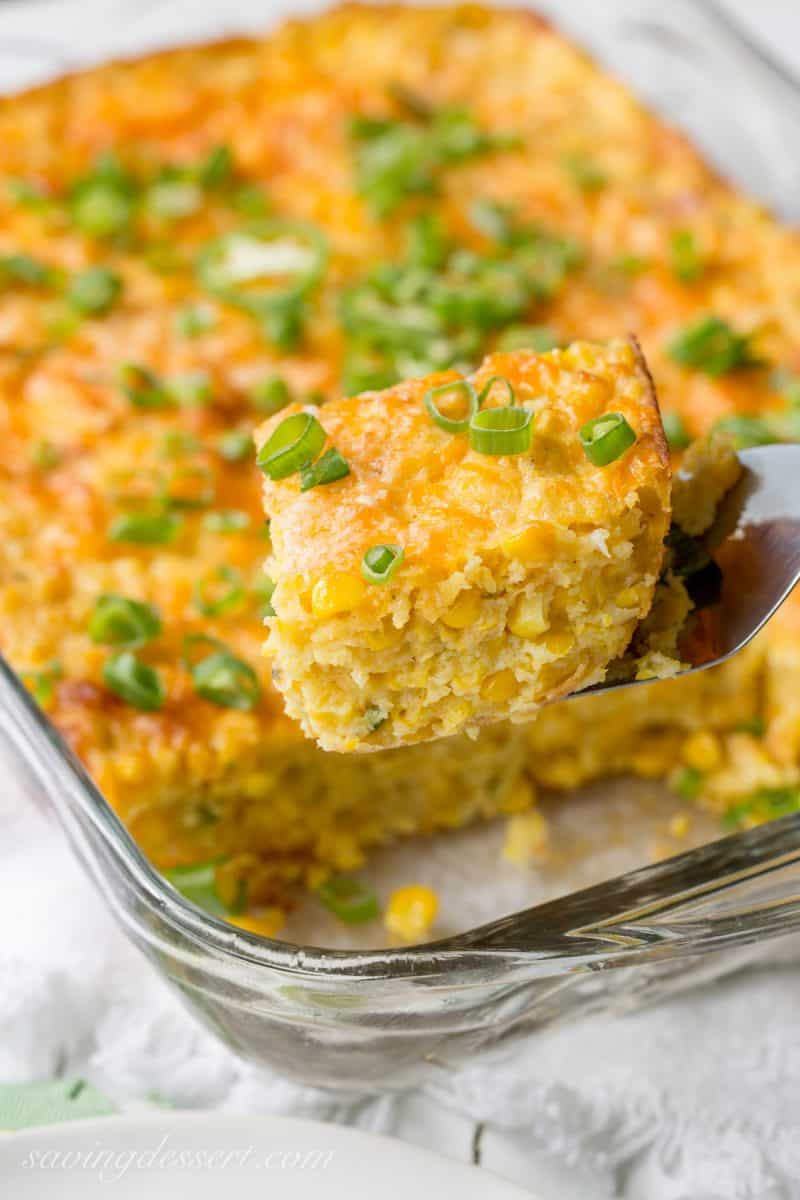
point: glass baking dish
(384, 1018)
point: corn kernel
(702, 751)
(679, 825)
(499, 687)
(464, 611)
(411, 912)
(267, 922)
(528, 617)
(526, 838)
(336, 593)
(531, 545)
(520, 798)
(559, 642)
(627, 598)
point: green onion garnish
(145, 529)
(265, 270)
(348, 899)
(506, 430)
(27, 195)
(486, 390)
(217, 167)
(585, 173)
(711, 345)
(688, 783)
(264, 589)
(45, 456)
(459, 389)
(685, 260)
(528, 337)
(226, 520)
(41, 682)
(175, 443)
(173, 199)
(188, 486)
(755, 726)
(223, 679)
(270, 395)
(193, 320)
(143, 387)
(118, 621)
(380, 563)
(219, 592)
(198, 883)
(675, 430)
(193, 389)
(606, 438)
(235, 445)
(21, 268)
(746, 430)
(133, 681)
(102, 203)
(94, 291)
(296, 441)
(327, 469)
(250, 201)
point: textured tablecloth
(698, 1099)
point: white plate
(208, 1156)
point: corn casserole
(475, 556)
(193, 239)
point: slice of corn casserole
(483, 547)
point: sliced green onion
(21, 268)
(296, 441)
(235, 445)
(176, 443)
(746, 430)
(163, 258)
(327, 469)
(711, 345)
(250, 200)
(461, 389)
(193, 389)
(193, 642)
(45, 456)
(348, 899)
(685, 260)
(102, 203)
(506, 430)
(675, 430)
(143, 387)
(486, 390)
(145, 529)
(375, 717)
(528, 337)
(27, 195)
(226, 520)
(427, 241)
(688, 783)
(118, 621)
(134, 681)
(380, 563)
(211, 598)
(223, 679)
(194, 320)
(606, 438)
(264, 590)
(262, 270)
(585, 173)
(41, 682)
(173, 199)
(217, 167)
(94, 291)
(198, 883)
(755, 726)
(188, 486)
(270, 395)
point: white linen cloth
(697, 1099)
